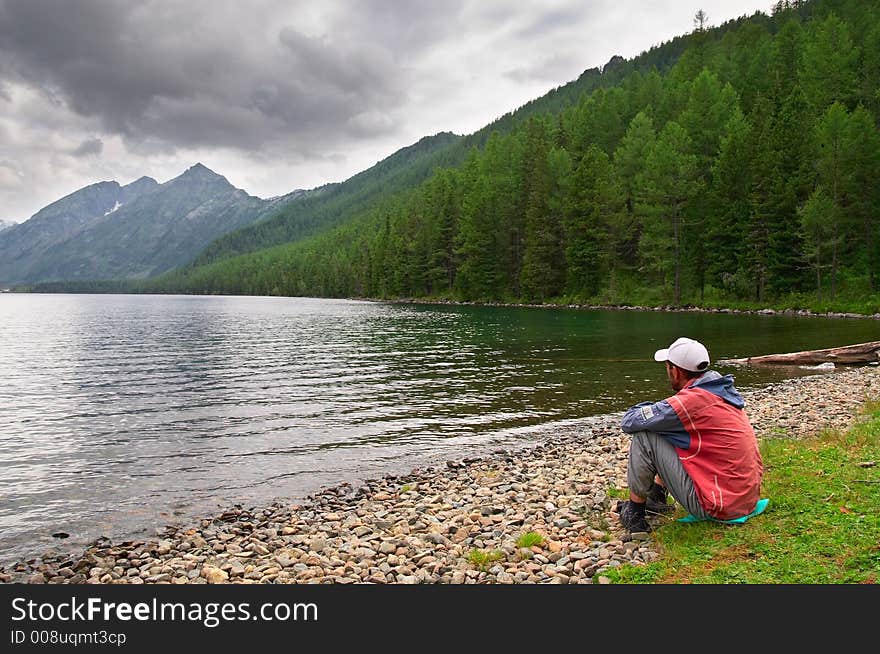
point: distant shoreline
(804, 313)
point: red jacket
(706, 423)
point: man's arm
(658, 417)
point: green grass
(822, 525)
(619, 493)
(483, 560)
(530, 539)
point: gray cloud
(164, 71)
(553, 68)
(10, 177)
(88, 147)
(403, 27)
(551, 21)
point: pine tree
(667, 186)
(599, 122)
(792, 185)
(787, 54)
(829, 64)
(543, 275)
(437, 208)
(818, 218)
(629, 163)
(479, 274)
(709, 108)
(593, 207)
(862, 162)
(831, 141)
(730, 206)
(870, 73)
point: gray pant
(650, 454)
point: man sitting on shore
(698, 444)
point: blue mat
(759, 508)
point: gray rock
(504, 578)
(387, 547)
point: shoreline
(425, 526)
(800, 313)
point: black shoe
(657, 500)
(632, 516)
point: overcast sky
(282, 94)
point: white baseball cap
(685, 353)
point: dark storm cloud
(88, 147)
(74, 50)
(164, 72)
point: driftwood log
(849, 354)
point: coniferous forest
(742, 165)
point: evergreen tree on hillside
(594, 204)
(831, 140)
(818, 218)
(479, 271)
(862, 160)
(543, 273)
(666, 187)
(870, 70)
(792, 187)
(708, 110)
(629, 164)
(786, 59)
(599, 121)
(729, 208)
(742, 59)
(444, 210)
(509, 168)
(829, 65)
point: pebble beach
(461, 521)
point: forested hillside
(332, 204)
(745, 170)
(328, 205)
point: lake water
(120, 414)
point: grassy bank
(822, 525)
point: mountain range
(109, 231)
